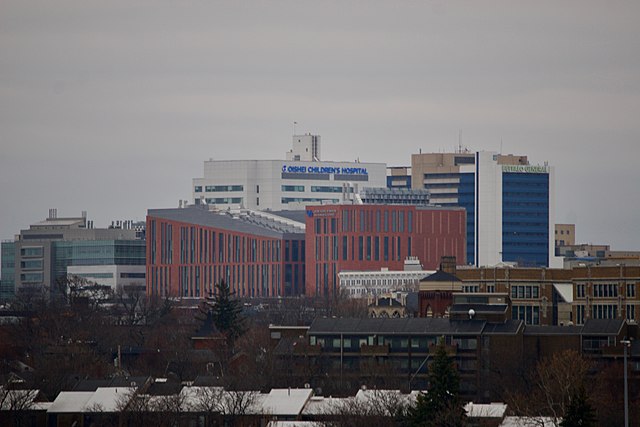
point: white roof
(565, 290)
(18, 399)
(108, 399)
(528, 422)
(191, 396)
(485, 410)
(70, 402)
(285, 401)
(319, 405)
(293, 424)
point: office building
(303, 179)
(509, 203)
(39, 258)
(398, 177)
(371, 237)
(362, 284)
(191, 249)
(565, 235)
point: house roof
(602, 326)
(108, 399)
(440, 276)
(70, 402)
(485, 410)
(286, 401)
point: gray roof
(552, 330)
(402, 326)
(479, 308)
(245, 223)
(602, 326)
(299, 215)
(590, 327)
(440, 276)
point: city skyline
(112, 108)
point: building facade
(191, 249)
(39, 258)
(362, 284)
(290, 184)
(510, 203)
(371, 237)
(541, 296)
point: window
(198, 188)
(580, 310)
(604, 311)
(529, 314)
(631, 290)
(607, 290)
(631, 312)
(299, 188)
(580, 291)
(219, 188)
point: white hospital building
(302, 179)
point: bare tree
(553, 383)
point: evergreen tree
(580, 413)
(226, 313)
(441, 405)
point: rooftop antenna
(294, 128)
(460, 141)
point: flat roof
(242, 222)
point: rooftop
(243, 221)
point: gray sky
(111, 107)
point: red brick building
(370, 237)
(191, 249)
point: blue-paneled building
(509, 203)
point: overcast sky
(112, 106)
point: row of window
(377, 221)
(525, 291)
(315, 189)
(604, 311)
(285, 200)
(605, 290)
(224, 201)
(367, 247)
(218, 188)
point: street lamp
(626, 343)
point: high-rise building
(303, 179)
(509, 203)
(40, 257)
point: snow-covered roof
(108, 399)
(18, 399)
(319, 405)
(528, 422)
(283, 401)
(294, 424)
(70, 402)
(485, 410)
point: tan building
(565, 235)
(541, 296)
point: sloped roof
(108, 399)
(286, 402)
(70, 402)
(440, 276)
(602, 326)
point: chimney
(448, 264)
